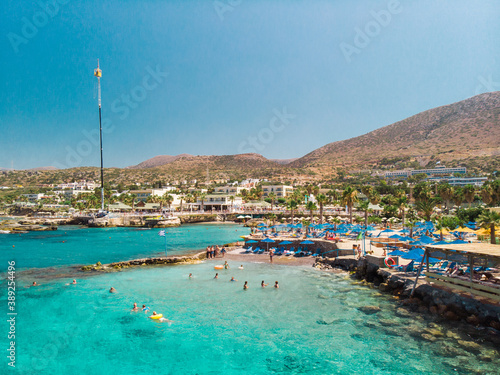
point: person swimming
(162, 319)
(190, 275)
(112, 290)
(233, 279)
(135, 308)
(241, 267)
(276, 285)
(35, 284)
(144, 308)
(74, 281)
(216, 276)
(263, 285)
(245, 286)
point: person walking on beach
(208, 252)
(271, 253)
(217, 250)
(223, 251)
(212, 252)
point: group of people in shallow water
(154, 315)
(245, 286)
(214, 251)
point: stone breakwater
(426, 299)
(190, 259)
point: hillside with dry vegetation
(466, 133)
(467, 130)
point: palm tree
(469, 194)
(321, 199)
(489, 219)
(292, 205)
(231, 198)
(374, 198)
(364, 206)
(426, 208)
(446, 193)
(132, 200)
(311, 206)
(349, 197)
(202, 197)
(168, 199)
(422, 192)
(402, 204)
(487, 194)
(458, 196)
(272, 197)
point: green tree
(469, 194)
(321, 199)
(292, 205)
(364, 206)
(311, 206)
(349, 197)
(488, 220)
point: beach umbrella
(307, 242)
(285, 243)
(395, 236)
(404, 231)
(444, 231)
(261, 225)
(457, 242)
(248, 217)
(268, 241)
(252, 241)
(464, 230)
(426, 239)
(404, 238)
(397, 253)
(240, 217)
(441, 243)
(418, 243)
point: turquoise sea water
(73, 245)
(311, 325)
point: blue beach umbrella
(285, 243)
(252, 241)
(457, 242)
(426, 239)
(307, 242)
(261, 225)
(268, 241)
(395, 236)
(404, 238)
(397, 253)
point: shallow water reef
(426, 298)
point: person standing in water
(245, 286)
(135, 308)
(226, 265)
(263, 285)
(216, 276)
(276, 285)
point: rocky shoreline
(426, 299)
(28, 224)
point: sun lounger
(248, 250)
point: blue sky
(281, 78)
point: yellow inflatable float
(157, 316)
(218, 267)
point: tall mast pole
(98, 74)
